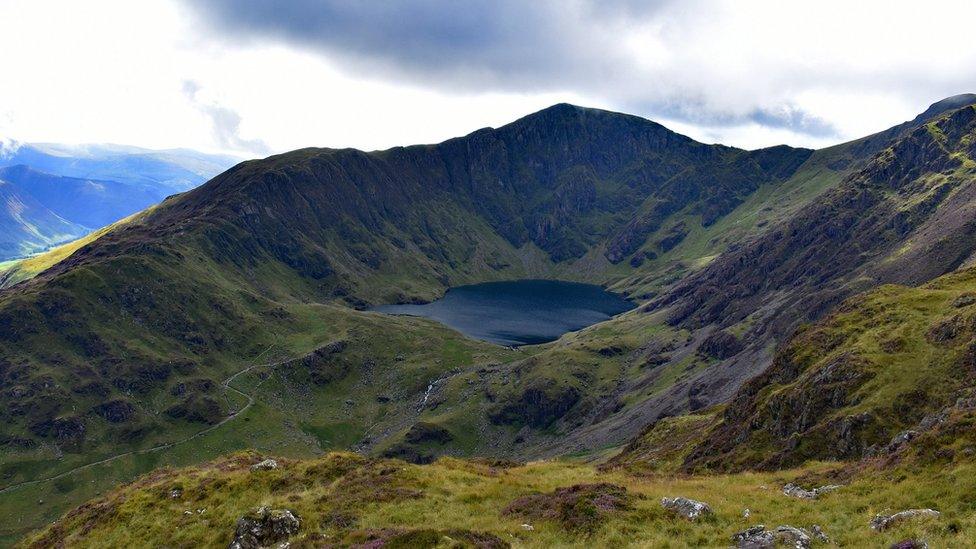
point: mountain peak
(561, 114)
(946, 105)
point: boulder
(964, 300)
(883, 522)
(910, 544)
(758, 537)
(115, 411)
(721, 345)
(796, 491)
(264, 527)
(687, 508)
(266, 465)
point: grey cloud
(795, 119)
(503, 44)
(556, 46)
(783, 116)
(509, 43)
(225, 123)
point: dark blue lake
(521, 312)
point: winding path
(225, 384)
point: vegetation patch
(579, 508)
(400, 538)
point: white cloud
(744, 73)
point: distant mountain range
(56, 193)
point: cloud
(786, 116)
(465, 43)
(713, 64)
(225, 123)
(8, 147)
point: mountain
(343, 225)
(887, 375)
(883, 374)
(902, 218)
(175, 170)
(26, 226)
(90, 203)
(230, 315)
(92, 186)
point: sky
(257, 77)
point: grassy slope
(291, 415)
(304, 423)
(339, 496)
(769, 205)
(880, 364)
(12, 272)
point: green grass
(770, 204)
(893, 356)
(291, 415)
(457, 494)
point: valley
(56, 194)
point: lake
(520, 312)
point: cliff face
(564, 180)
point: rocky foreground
(345, 500)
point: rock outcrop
(266, 465)
(795, 491)
(883, 522)
(687, 508)
(758, 537)
(264, 527)
(909, 544)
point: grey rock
(758, 537)
(910, 544)
(266, 465)
(264, 527)
(900, 440)
(796, 491)
(687, 508)
(818, 533)
(883, 522)
(964, 300)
